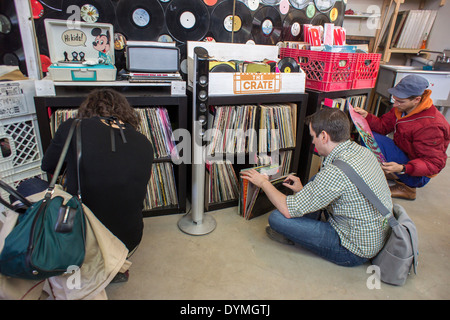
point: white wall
(438, 40)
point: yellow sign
(251, 83)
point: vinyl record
(187, 20)
(223, 67)
(9, 27)
(51, 4)
(270, 2)
(266, 26)
(284, 7)
(37, 9)
(41, 35)
(288, 65)
(91, 11)
(224, 29)
(210, 2)
(340, 7)
(293, 25)
(320, 19)
(14, 58)
(299, 4)
(251, 4)
(140, 19)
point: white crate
(227, 83)
(17, 98)
(21, 148)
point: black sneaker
(272, 234)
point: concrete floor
(238, 261)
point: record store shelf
(70, 97)
(258, 99)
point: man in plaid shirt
(355, 231)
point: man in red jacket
(421, 137)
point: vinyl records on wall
(91, 11)
(338, 13)
(324, 5)
(210, 2)
(187, 20)
(320, 19)
(9, 27)
(299, 4)
(140, 19)
(226, 28)
(284, 6)
(293, 25)
(41, 35)
(37, 9)
(14, 58)
(270, 2)
(267, 26)
(251, 4)
(52, 4)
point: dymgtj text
(230, 309)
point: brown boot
(402, 191)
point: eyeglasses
(400, 101)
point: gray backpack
(400, 251)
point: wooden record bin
(70, 97)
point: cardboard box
(228, 83)
(80, 51)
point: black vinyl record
(340, 7)
(288, 65)
(91, 11)
(222, 25)
(52, 4)
(222, 68)
(14, 58)
(266, 26)
(320, 19)
(9, 27)
(187, 20)
(293, 25)
(324, 5)
(41, 35)
(270, 2)
(300, 4)
(140, 19)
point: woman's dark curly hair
(108, 103)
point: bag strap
(15, 194)
(62, 157)
(78, 138)
(75, 125)
(365, 190)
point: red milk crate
(325, 71)
(366, 70)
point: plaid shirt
(361, 227)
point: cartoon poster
(366, 134)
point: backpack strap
(365, 190)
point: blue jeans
(392, 153)
(316, 236)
